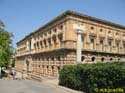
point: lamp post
(79, 31)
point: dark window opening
(102, 59)
(118, 59)
(92, 28)
(93, 59)
(30, 44)
(111, 59)
(83, 58)
(52, 58)
(58, 58)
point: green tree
(6, 48)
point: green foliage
(88, 77)
(4, 74)
(6, 49)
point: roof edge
(77, 14)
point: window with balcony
(30, 44)
(92, 44)
(38, 45)
(109, 46)
(82, 43)
(49, 42)
(54, 40)
(60, 40)
(124, 47)
(41, 44)
(101, 45)
(45, 43)
(35, 45)
(117, 47)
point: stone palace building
(42, 53)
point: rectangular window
(124, 47)
(101, 45)
(109, 46)
(60, 40)
(117, 47)
(49, 42)
(92, 44)
(82, 45)
(30, 44)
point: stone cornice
(76, 14)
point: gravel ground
(28, 86)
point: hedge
(92, 78)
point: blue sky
(24, 16)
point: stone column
(79, 48)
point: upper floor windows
(82, 42)
(38, 45)
(55, 30)
(60, 39)
(49, 42)
(117, 47)
(54, 39)
(29, 45)
(101, 45)
(124, 47)
(45, 44)
(92, 44)
(109, 46)
(41, 44)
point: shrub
(89, 77)
(3, 74)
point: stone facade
(42, 53)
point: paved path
(27, 86)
